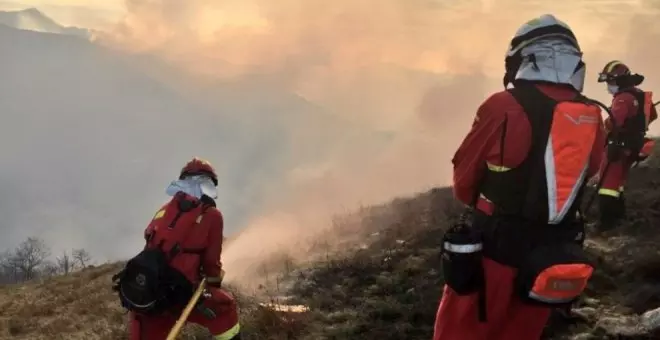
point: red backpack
(148, 284)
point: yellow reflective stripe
(159, 214)
(611, 65)
(609, 192)
(497, 168)
(229, 334)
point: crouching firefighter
(517, 253)
(183, 242)
(632, 112)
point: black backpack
(148, 285)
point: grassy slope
(82, 306)
(386, 288)
(79, 306)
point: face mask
(196, 186)
(612, 89)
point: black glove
(116, 279)
(205, 311)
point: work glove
(207, 312)
(116, 279)
(215, 301)
(201, 306)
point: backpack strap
(171, 254)
(176, 249)
(539, 109)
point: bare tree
(49, 268)
(29, 256)
(65, 263)
(82, 257)
(9, 271)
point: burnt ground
(390, 289)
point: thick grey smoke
(307, 107)
(416, 70)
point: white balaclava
(196, 186)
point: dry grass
(78, 306)
(83, 306)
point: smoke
(407, 74)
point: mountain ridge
(32, 19)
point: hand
(593, 181)
(219, 300)
(216, 281)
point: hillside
(386, 288)
(34, 20)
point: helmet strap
(512, 65)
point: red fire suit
(625, 106)
(199, 233)
(507, 316)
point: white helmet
(545, 49)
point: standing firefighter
(517, 252)
(183, 242)
(632, 112)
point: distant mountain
(34, 20)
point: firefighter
(632, 112)
(183, 244)
(517, 253)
